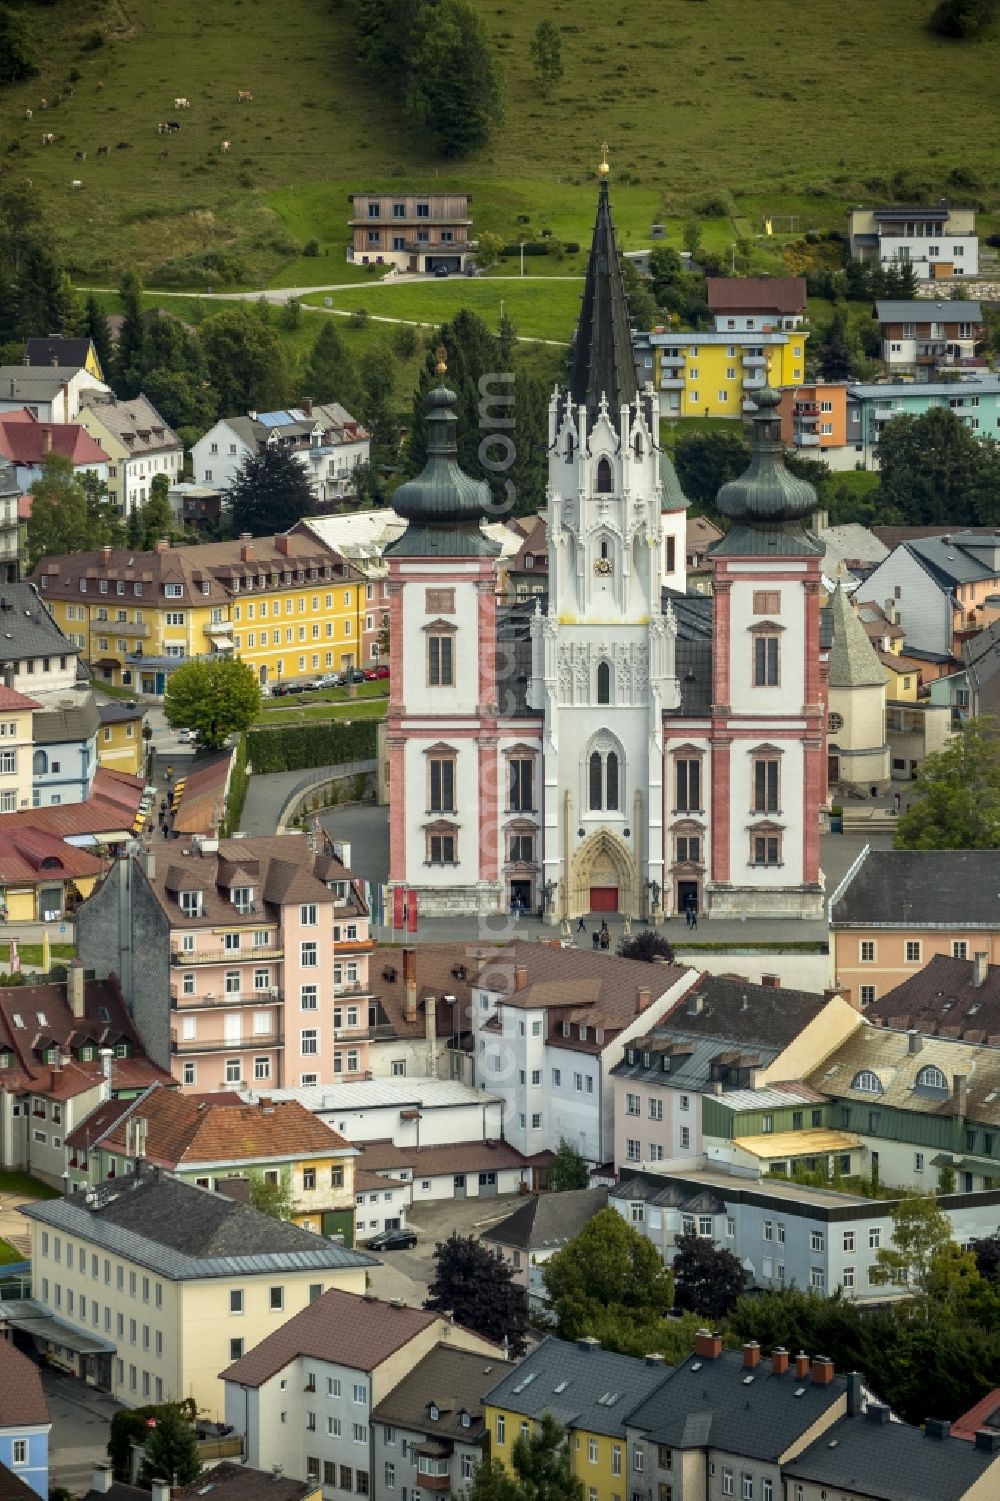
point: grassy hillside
(788, 107)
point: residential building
(915, 731)
(139, 444)
(208, 1144)
(36, 657)
(852, 545)
(54, 393)
(52, 838)
(240, 937)
(528, 570)
(409, 1111)
(814, 422)
(64, 762)
(720, 374)
(938, 587)
(457, 1170)
(13, 525)
(550, 1024)
(948, 996)
(979, 677)
(16, 736)
(982, 1414)
(952, 691)
(196, 506)
(724, 1423)
(926, 1110)
(25, 442)
(429, 1432)
(725, 1035)
(539, 1228)
(870, 1458)
(609, 694)
(590, 1392)
(222, 1481)
(747, 304)
(381, 1203)
(921, 336)
(56, 350)
(147, 1287)
(326, 1370)
(895, 909)
(325, 440)
(120, 742)
(25, 1422)
(858, 747)
(63, 1050)
(975, 401)
(938, 242)
(411, 231)
(700, 537)
(42, 877)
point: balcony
(219, 628)
(806, 440)
(260, 998)
(673, 357)
(121, 628)
(671, 382)
(754, 361)
(350, 987)
(224, 956)
(806, 409)
(383, 1032)
(755, 382)
(189, 1046)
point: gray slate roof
(56, 350)
(454, 1380)
(947, 562)
(116, 712)
(923, 310)
(689, 1072)
(893, 1462)
(580, 1384)
(74, 722)
(26, 627)
(708, 1402)
(183, 1232)
(546, 1221)
(653, 1188)
(920, 888)
(853, 660)
(34, 383)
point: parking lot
(406, 1274)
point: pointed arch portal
(603, 877)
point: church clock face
(834, 723)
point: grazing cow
(244, 96)
(48, 139)
(161, 129)
(124, 146)
(100, 84)
(163, 155)
(104, 150)
(76, 183)
(28, 114)
(225, 145)
(181, 104)
(173, 125)
(43, 104)
(80, 156)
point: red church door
(604, 898)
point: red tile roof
(25, 440)
(781, 294)
(29, 855)
(11, 699)
(985, 1414)
(22, 1400)
(111, 808)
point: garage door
(604, 898)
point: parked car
(392, 1240)
(373, 674)
(279, 690)
(185, 736)
(441, 271)
(330, 680)
(354, 675)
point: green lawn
(791, 109)
(23, 1183)
(360, 709)
(9, 1253)
(540, 309)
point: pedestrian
(694, 917)
(596, 939)
(170, 774)
(581, 926)
(897, 799)
(605, 939)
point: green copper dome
(443, 505)
(765, 493)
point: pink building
(268, 952)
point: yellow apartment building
(715, 374)
(287, 605)
(149, 1288)
(16, 746)
(120, 742)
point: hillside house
(411, 231)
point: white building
(324, 438)
(52, 393)
(139, 445)
(938, 242)
(410, 1112)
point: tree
(275, 1199)
(706, 461)
(921, 1233)
(130, 360)
(95, 327)
(935, 469)
(17, 45)
(245, 359)
(987, 1254)
(455, 91)
(708, 1280)
(383, 30)
(488, 248)
(171, 1449)
(330, 372)
(568, 1170)
(377, 379)
(646, 944)
(546, 54)
(957, 802)
(68, 513)
(479, 1292)
(149, 522)
(961, 20)
(214, 696)
(692, 238)
(543, 1464)
(270, 493)
(608, 1274)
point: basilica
(617, 745)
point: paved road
(406, 1274)
(81, 1424)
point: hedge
(298, 747)
(237, 789)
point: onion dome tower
(767, 505)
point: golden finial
(441, 356)
(604, 169)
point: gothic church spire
(602, 363)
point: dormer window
(433, 1412)
(932, 1078)
(87, 1054)
(6, 1058)
(242, 898)
(867, 1081)
(192, 903)
(466, 1418)
(52, 1055)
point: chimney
(589, 1343)
(914, 1041)
(936, 1428)
(779, 1361)
(246, 547)
(959, 1095)
(106, 1056)
(160, 1490)
(988, 1441)
(656, 1360)
(75, 989)
(643, 998)
(853, 1379)
(877, 1412)
(430, 1024)
(100, 1480)
(801, 1366)
(410, 983)
(106, 554)
(822, 1370)
(980, 969)
(163, 544)
(283, 546)
(46, 440)
(307, 406)
(751, 1355)
(520, 977)
(707, 1346)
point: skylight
(18, 1019)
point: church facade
(617, 745)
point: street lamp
(522, 256)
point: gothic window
(604, 682)
(569, 447)
(637, 445)
(604, 776)
(603, 477)
(611, 780)
(596, 782)
(605, 550)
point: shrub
(297, 747)
(311, 248)
(961, 19)
(359, 318)
(94, 41)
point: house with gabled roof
(140, 443)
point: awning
(33, 1320)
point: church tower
(603, 650)
(767, 740)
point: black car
(392, 1240)
(354, 675)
